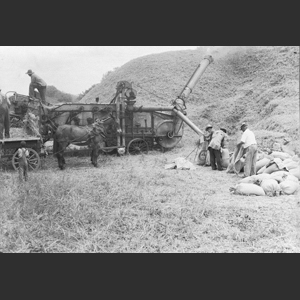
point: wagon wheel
(165, 134)
(33, 159)
(137, 146)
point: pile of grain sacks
(277, 174)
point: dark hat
(223, 129)
(243, 125)
(208, 126)
(23, 143)
(29, 72)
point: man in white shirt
(248, 141)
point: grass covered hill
(256, 84)
(53, 95)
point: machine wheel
(165, 134)
(34, 161)
(137, 146)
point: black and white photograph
(149, 149)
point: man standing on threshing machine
(215, 148)
(248, 142)
(37, 83)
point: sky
(71, 69)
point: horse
(4, 116)
(92, 136)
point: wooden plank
(12, 140)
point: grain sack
(291, 165)
(295, 172)
(261, 171)
(236, 161)
(281, 155)
(271, 168)
(275, 165)
(287, 160)
(261, 163)
(291, 178)
(270, 157)
(279, 173)
(262, 176)
(257, 179)
(250, 179)
(278, 178)
(225, 158)
(249, 189)
(289, 187)
(270, 187)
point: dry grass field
(132, 204)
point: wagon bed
(9, 147)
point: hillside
(256, 84)
(53, 95)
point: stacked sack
(278, 173)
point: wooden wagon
(9, 147)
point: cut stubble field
(132, 204)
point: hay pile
(31, 124)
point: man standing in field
(23, 153)
(37, 83)
(248, 142)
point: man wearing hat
(215, 146)
(37, 83)
(207, 138)
(249, 143)
(210, 132)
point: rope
(197, 147)
(150, 92)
